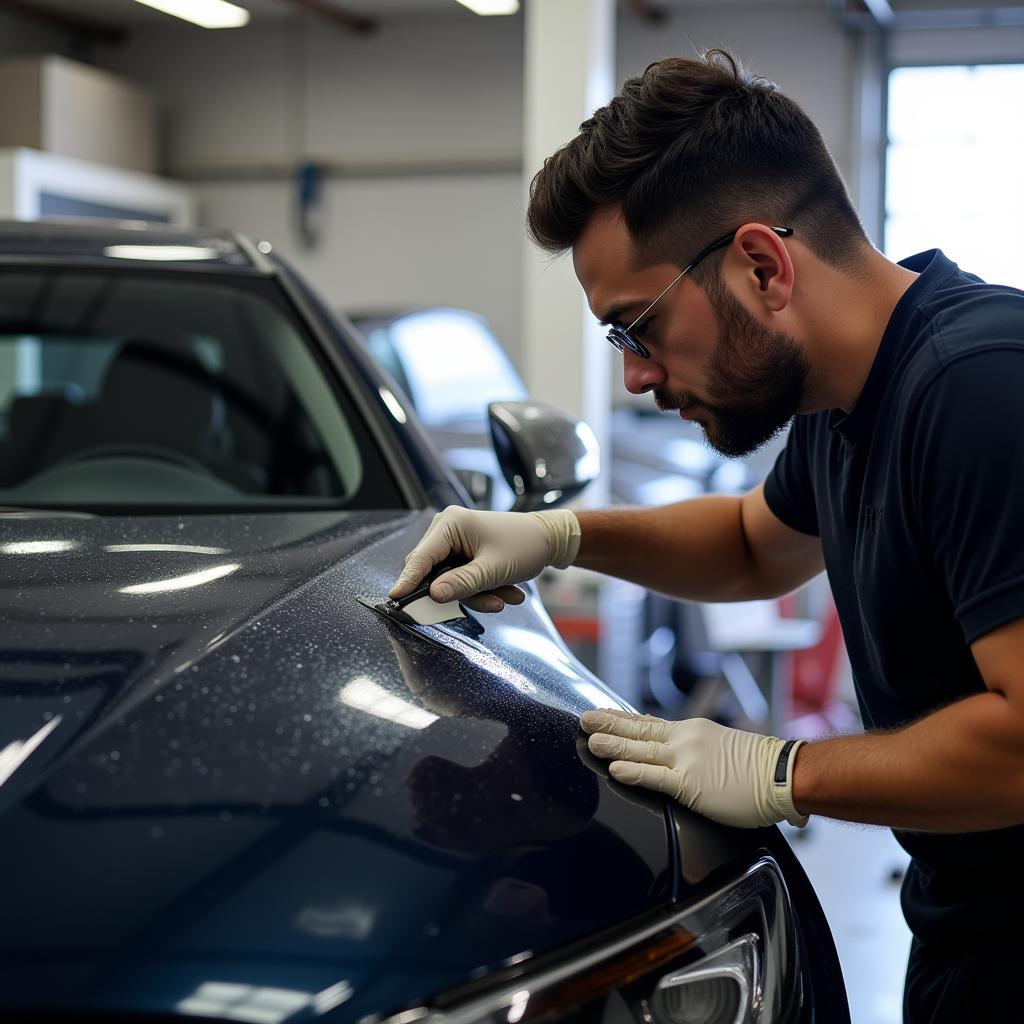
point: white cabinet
(66, 108)
(35, 186)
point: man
(711, 230)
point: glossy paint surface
(229, 786)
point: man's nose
(640, 375)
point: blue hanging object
(307, 195)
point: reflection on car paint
(269, 756)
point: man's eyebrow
(615, 315)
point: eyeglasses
(623, 337)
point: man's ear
(765, 265)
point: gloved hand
(727, 775)
(503, 547)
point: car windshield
(126, 390)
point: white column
(870, 108)
(570, 71)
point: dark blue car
(231, 789)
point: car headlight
(731, 958)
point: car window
(176, 390)
(454, 365)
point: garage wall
(390, 242)
(423, 95)
(20, 36)
(417, 89)
(425, 116)
(426, 119)
(962, 46)
(798, 46)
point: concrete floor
(853, 868)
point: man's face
(710, 359)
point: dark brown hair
(694, 148)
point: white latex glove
(503, 547)
(725, 774)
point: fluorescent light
(366, 695)
(331, 997)
(491, 6)
(233, 1001)
(36, 547)
(192, 579)
(205, 13)
(517, 1007)
(161, 252)
(191, 549)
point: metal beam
(984, 16)
(964, 17)
(504, 162)
(360, 24)
(881, 11)
(81, 27)
(857, 21)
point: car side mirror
(546, 457)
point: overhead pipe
(360, 24)
(954, 18)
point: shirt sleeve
(968, 469)
(788, 488)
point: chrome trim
(108, 263)
(257, 258)
(739, 962)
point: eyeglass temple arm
(706, 251)
(725, 240)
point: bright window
(953, 167)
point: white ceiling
(128, 13)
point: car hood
(228, 788)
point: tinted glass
(130, 390)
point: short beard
(756, 380)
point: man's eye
(641, 328)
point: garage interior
(385, 147)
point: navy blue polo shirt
(918, 497)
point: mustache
(664, 401)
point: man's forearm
(693, 549)
(960, 769)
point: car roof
(119, 242)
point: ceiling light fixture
(488, 7)
(205, 13)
